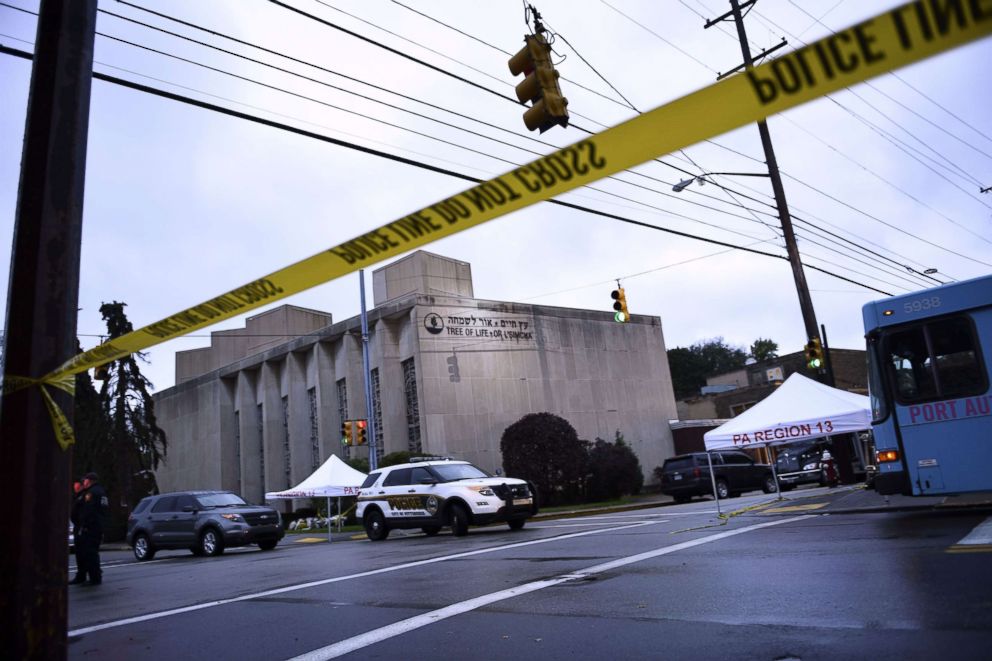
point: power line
(426, 166)
(507, 161)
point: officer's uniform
(91, 512)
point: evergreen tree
(116, 433)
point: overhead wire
(342, 143)
(309, 79)
(452, 28)
(884, 134)
(819, 21)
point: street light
(682, 185)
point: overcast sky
(183, 204)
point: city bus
(929, 354)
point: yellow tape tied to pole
(903, 35)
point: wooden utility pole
(805, 301)
(41, 332)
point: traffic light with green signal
(620, 305)
(540, 85)
(814, 354)
(363, 430)
(348, 432)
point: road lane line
(311, 584)
(355, 643)
(980, 534)
(979, 540)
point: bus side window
(954, 369)
(958, 367)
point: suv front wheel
(211, 543)
(143, 548)
(375, 526)
(459, 520)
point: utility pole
(41, 331)
(805, 302)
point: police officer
(91, 513)
(77, 505)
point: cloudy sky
(183, 204)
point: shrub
(544, 449)
(614, 470)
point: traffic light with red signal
(363, 430)
(540, 85)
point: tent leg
(716, 496)
(778, 490)
(340, 522)
(328, 519)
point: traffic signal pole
(805, 301)
(369, 408)
(41, 331)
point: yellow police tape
(901, 36)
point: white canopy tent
(334, 478)
(799, 409)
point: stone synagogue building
(261, 407)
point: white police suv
(430, 493)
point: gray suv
(205, 522)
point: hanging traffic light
(814, 354)
(454, 375)
(540, 86)
(363, 430)
(620, 305)
(347, 432)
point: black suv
(205, 522)
(688, 475)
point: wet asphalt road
(675, 582)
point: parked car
(205, 522)
(801, 463)
(688, 475)
(431, 492)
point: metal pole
(716, 496)
(774, 471)
(369, 408)
(41, 330)
(328, 519)
(805, 302)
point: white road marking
(980, 534)
(584, 525)
(403, 626)
(373, 572)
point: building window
(288, 464)
(737, 409)
(412, 406)
(314, 430)
(261, 446)
(237, 450)
(377, 414)
(343, 410)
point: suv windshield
(220, 500)
(452, 472)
